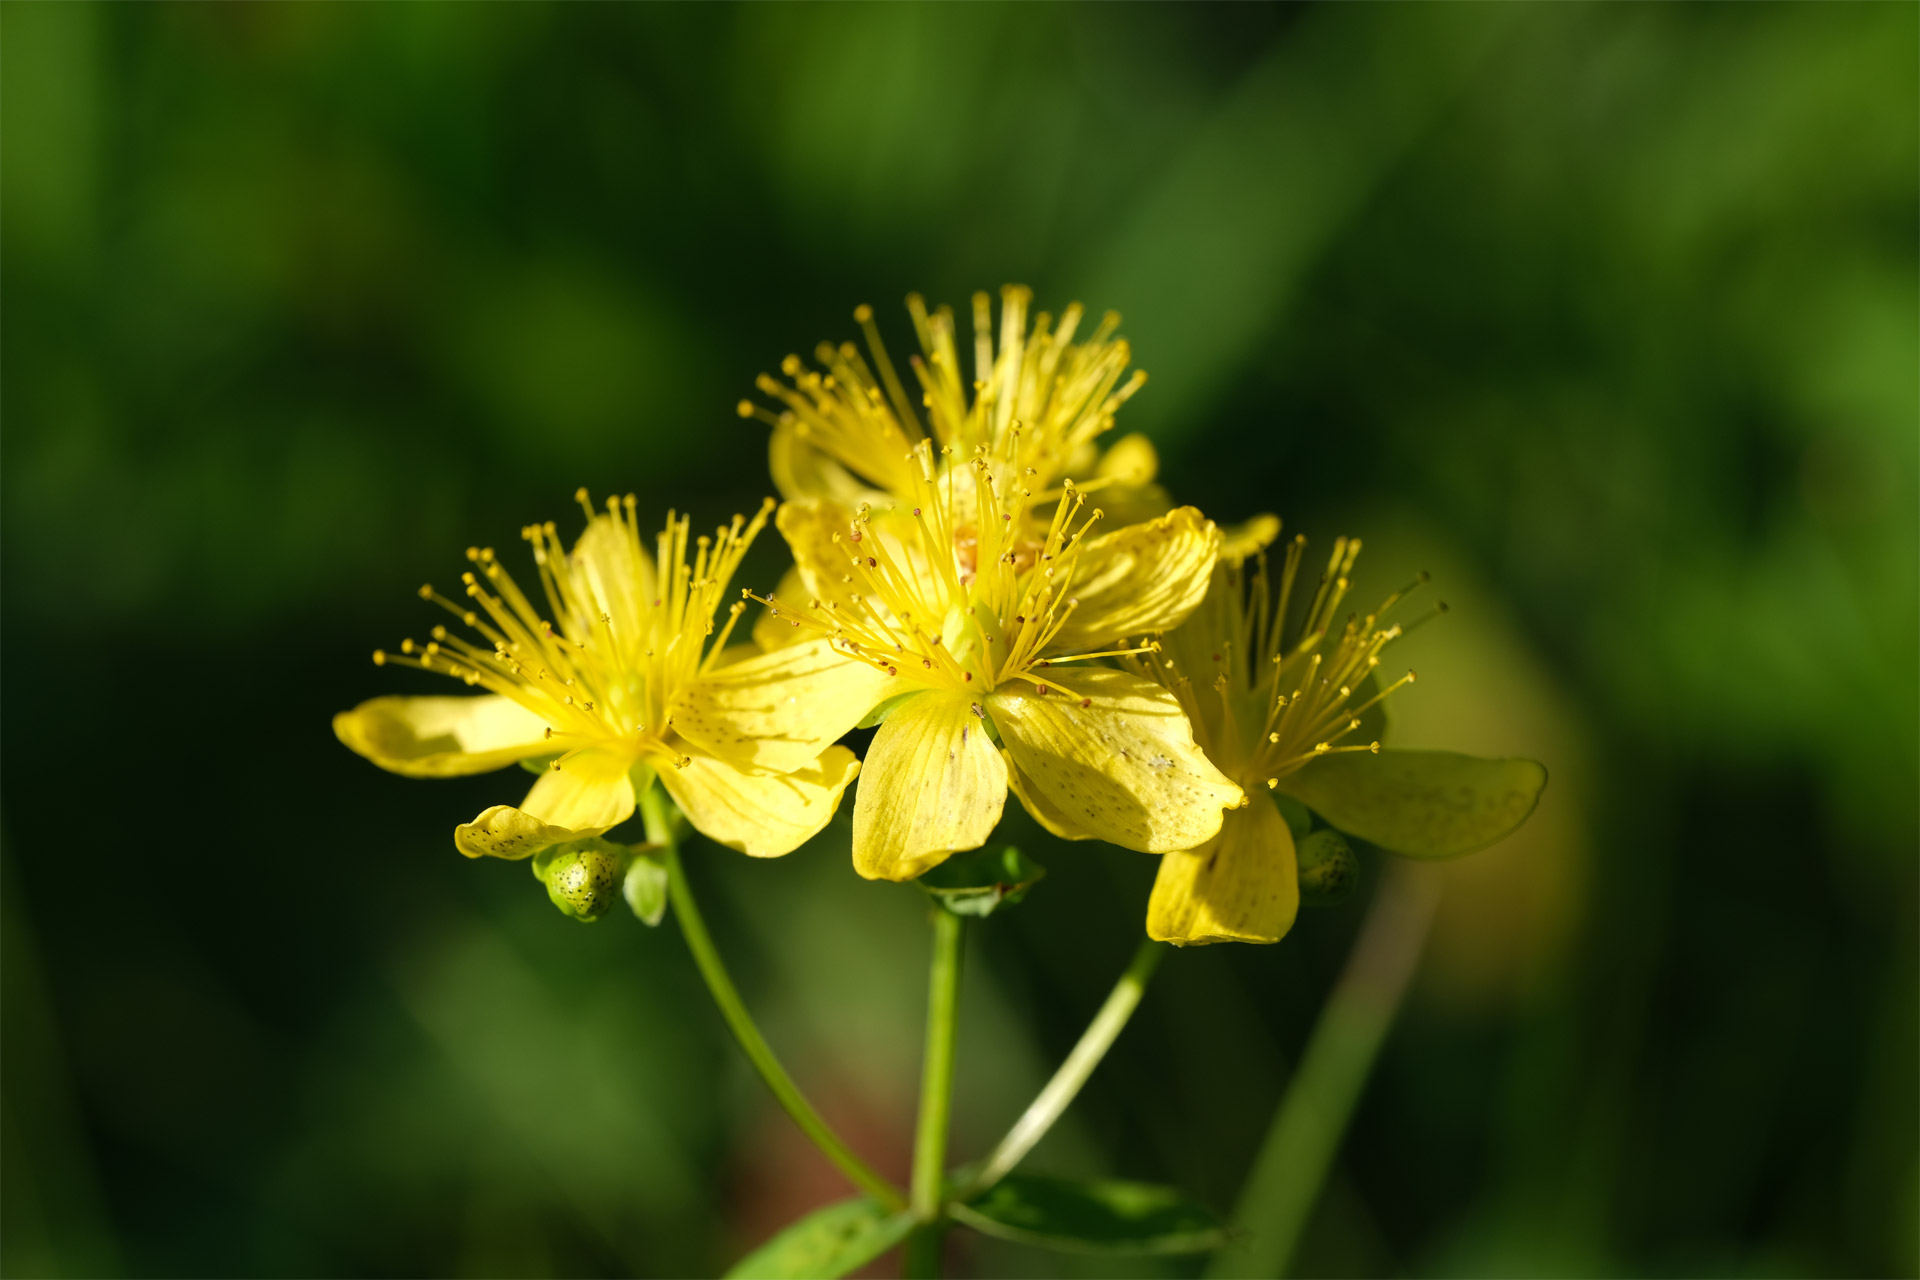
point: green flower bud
(583, 879)
(1328, 869)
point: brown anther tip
(1085, 703)
(1039, 688)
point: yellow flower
(601, 683)
(1033, 409)
(974, 625)
(1304, 720)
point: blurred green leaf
(827, 1242)
(1423, 804)
(981, 882)
(1107, 1216)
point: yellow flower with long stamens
(984, 631)
(1305, 720)
(1037, 402)
(595, 683)
(1042, 396)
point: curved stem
(680, 893)
(1300, 1147)
(936, 1073)
(1065, 1085)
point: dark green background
(1605, 314)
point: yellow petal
(612, 574)
(802, 472)
(777, 712)
(1422, 804)
(762, 815)
(1132, 461)
(1238, 541)
(818, 560)
(442, 737)
(934, 785)
(1044, 811)
(770, 630)
(1242, 886)
(1123, 768)
(588, 794)
(1146, 577)
(506, 832)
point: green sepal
(583, 877)
(1329, 871)
(1299, 818)
(828, 1242)
(1421, 804)
(645, 888)
(981, 882)
(539, 764)
(884, 708)
(1106, 1216)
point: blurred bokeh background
(1606, 315)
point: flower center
(950, 590)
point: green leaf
(645, 889)
(828, 1242)
(1093, 1217)
(1423, 804)
(884, 708)
(981, 882)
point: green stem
(936, 1072)
(1061, 1090)
(1299, 1150)
(680, 893)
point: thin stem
(680, 893)
(936, 1073)
(1299, 1149)
(1065, 1085)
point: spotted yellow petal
(1112, 754)
(1241, 886)
(589, 793)
(1043, 810)
(1146, 577)
(762, 815)
(442, 737)
(934, 785)
(777, 712)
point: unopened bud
(583, 879)
(1328, 869)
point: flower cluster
(1016, 607)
